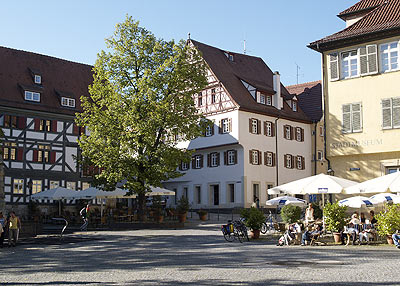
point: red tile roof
(382, 20)
(252, 70)
(309, 95)
(58, 77)
(361, 6)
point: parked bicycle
(269, 224)
(235, 230)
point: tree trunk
(141, 206)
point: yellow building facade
(361, 90)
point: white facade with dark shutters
(248, 150)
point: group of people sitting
(360, 228)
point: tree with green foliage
(388, 220)
(335, 216)
(291, 213)
(141, 97)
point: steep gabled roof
(59, 77)
(361, 7)
(382, 20)
(309, 96)
(251, 69)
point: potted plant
(254, 218)
(388, 222)
(335, 216)
(157, 209)
(202, 214)
(291, 214)
(182, 208)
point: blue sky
(276, 31)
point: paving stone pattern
(196, 255)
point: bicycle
(240, 225)
(230, 232)
(268, 225)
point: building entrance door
(215, 190)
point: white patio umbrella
(386, 198)
(58, 193)
(318, 184)
(358, 202)
(383, 184)
(285, 200)
(155, 191)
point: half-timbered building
(260, 138)
(39, 96)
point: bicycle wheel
(264, 228)
(238, 234)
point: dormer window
(38, 79)
(229, 56)
(32, 96)
(251, 89)
(68, 102)
(294, 105)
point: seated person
(396, 239)
(352, 230)
(372, 217)
(311, 233)
(367, 233)
(354, 219)
(362, 218)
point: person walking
(3, 227)
(14, 225)
(309, 215)
(396, 239)
(84, 214)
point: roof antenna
(297, 72)
(244, 46)
(188, 36)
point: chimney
(277, 99)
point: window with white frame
(54, 184)
(71, 185)
(18, 186)
(268, 100)
(231, 160)
(349, 64)
(299, 134)
(200, 99)
(320, 155)
(391, 113)
(209, 131)
(268, 129)
(185, 166)
(389, 54)
(254, 126)
(38, 79)
(198, 161)
(352, 118)
(262, 98)
(44, 153)
(288, 132)
(269, 159)
(32, 96)
(225, 125)
(288, 161)
(299, 163)
(36, 186)
(68, 102)
(213, 96)
(254, 157)
(214, 159)
(294, 105)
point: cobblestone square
(192, 256)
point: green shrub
(254, 218)
(388, 220)
(183, 205)
(291, 213)
(335, 217)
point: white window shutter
(356, 115)
(362, 52)
(396, 112)
(372, 52)
(346, 123)
(334, 66)
(386, 113)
